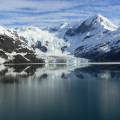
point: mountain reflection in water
(59, 92)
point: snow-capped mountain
(29, 44)
(96, 38)
(76, 33)
(88, 32)
(42, 41)
(14, 49)
(100, 41)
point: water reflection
(59, 92)
(100, 72)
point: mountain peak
(99, 16)
(100, 20)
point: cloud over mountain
(50, 12)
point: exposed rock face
(6, 43)
(16, 51)
(28, 58)
(19, 59)
(3, 55)
(81, 29)
(41, 47)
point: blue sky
(51, 12)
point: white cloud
(44, 12)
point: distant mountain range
(96, 39)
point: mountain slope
(96, 38)
(106, 49)
(88, 32)
(42, 41)
(14, 49)
(102, 43)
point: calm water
(58, 92)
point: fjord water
(59, 92)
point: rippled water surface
(59, 92)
